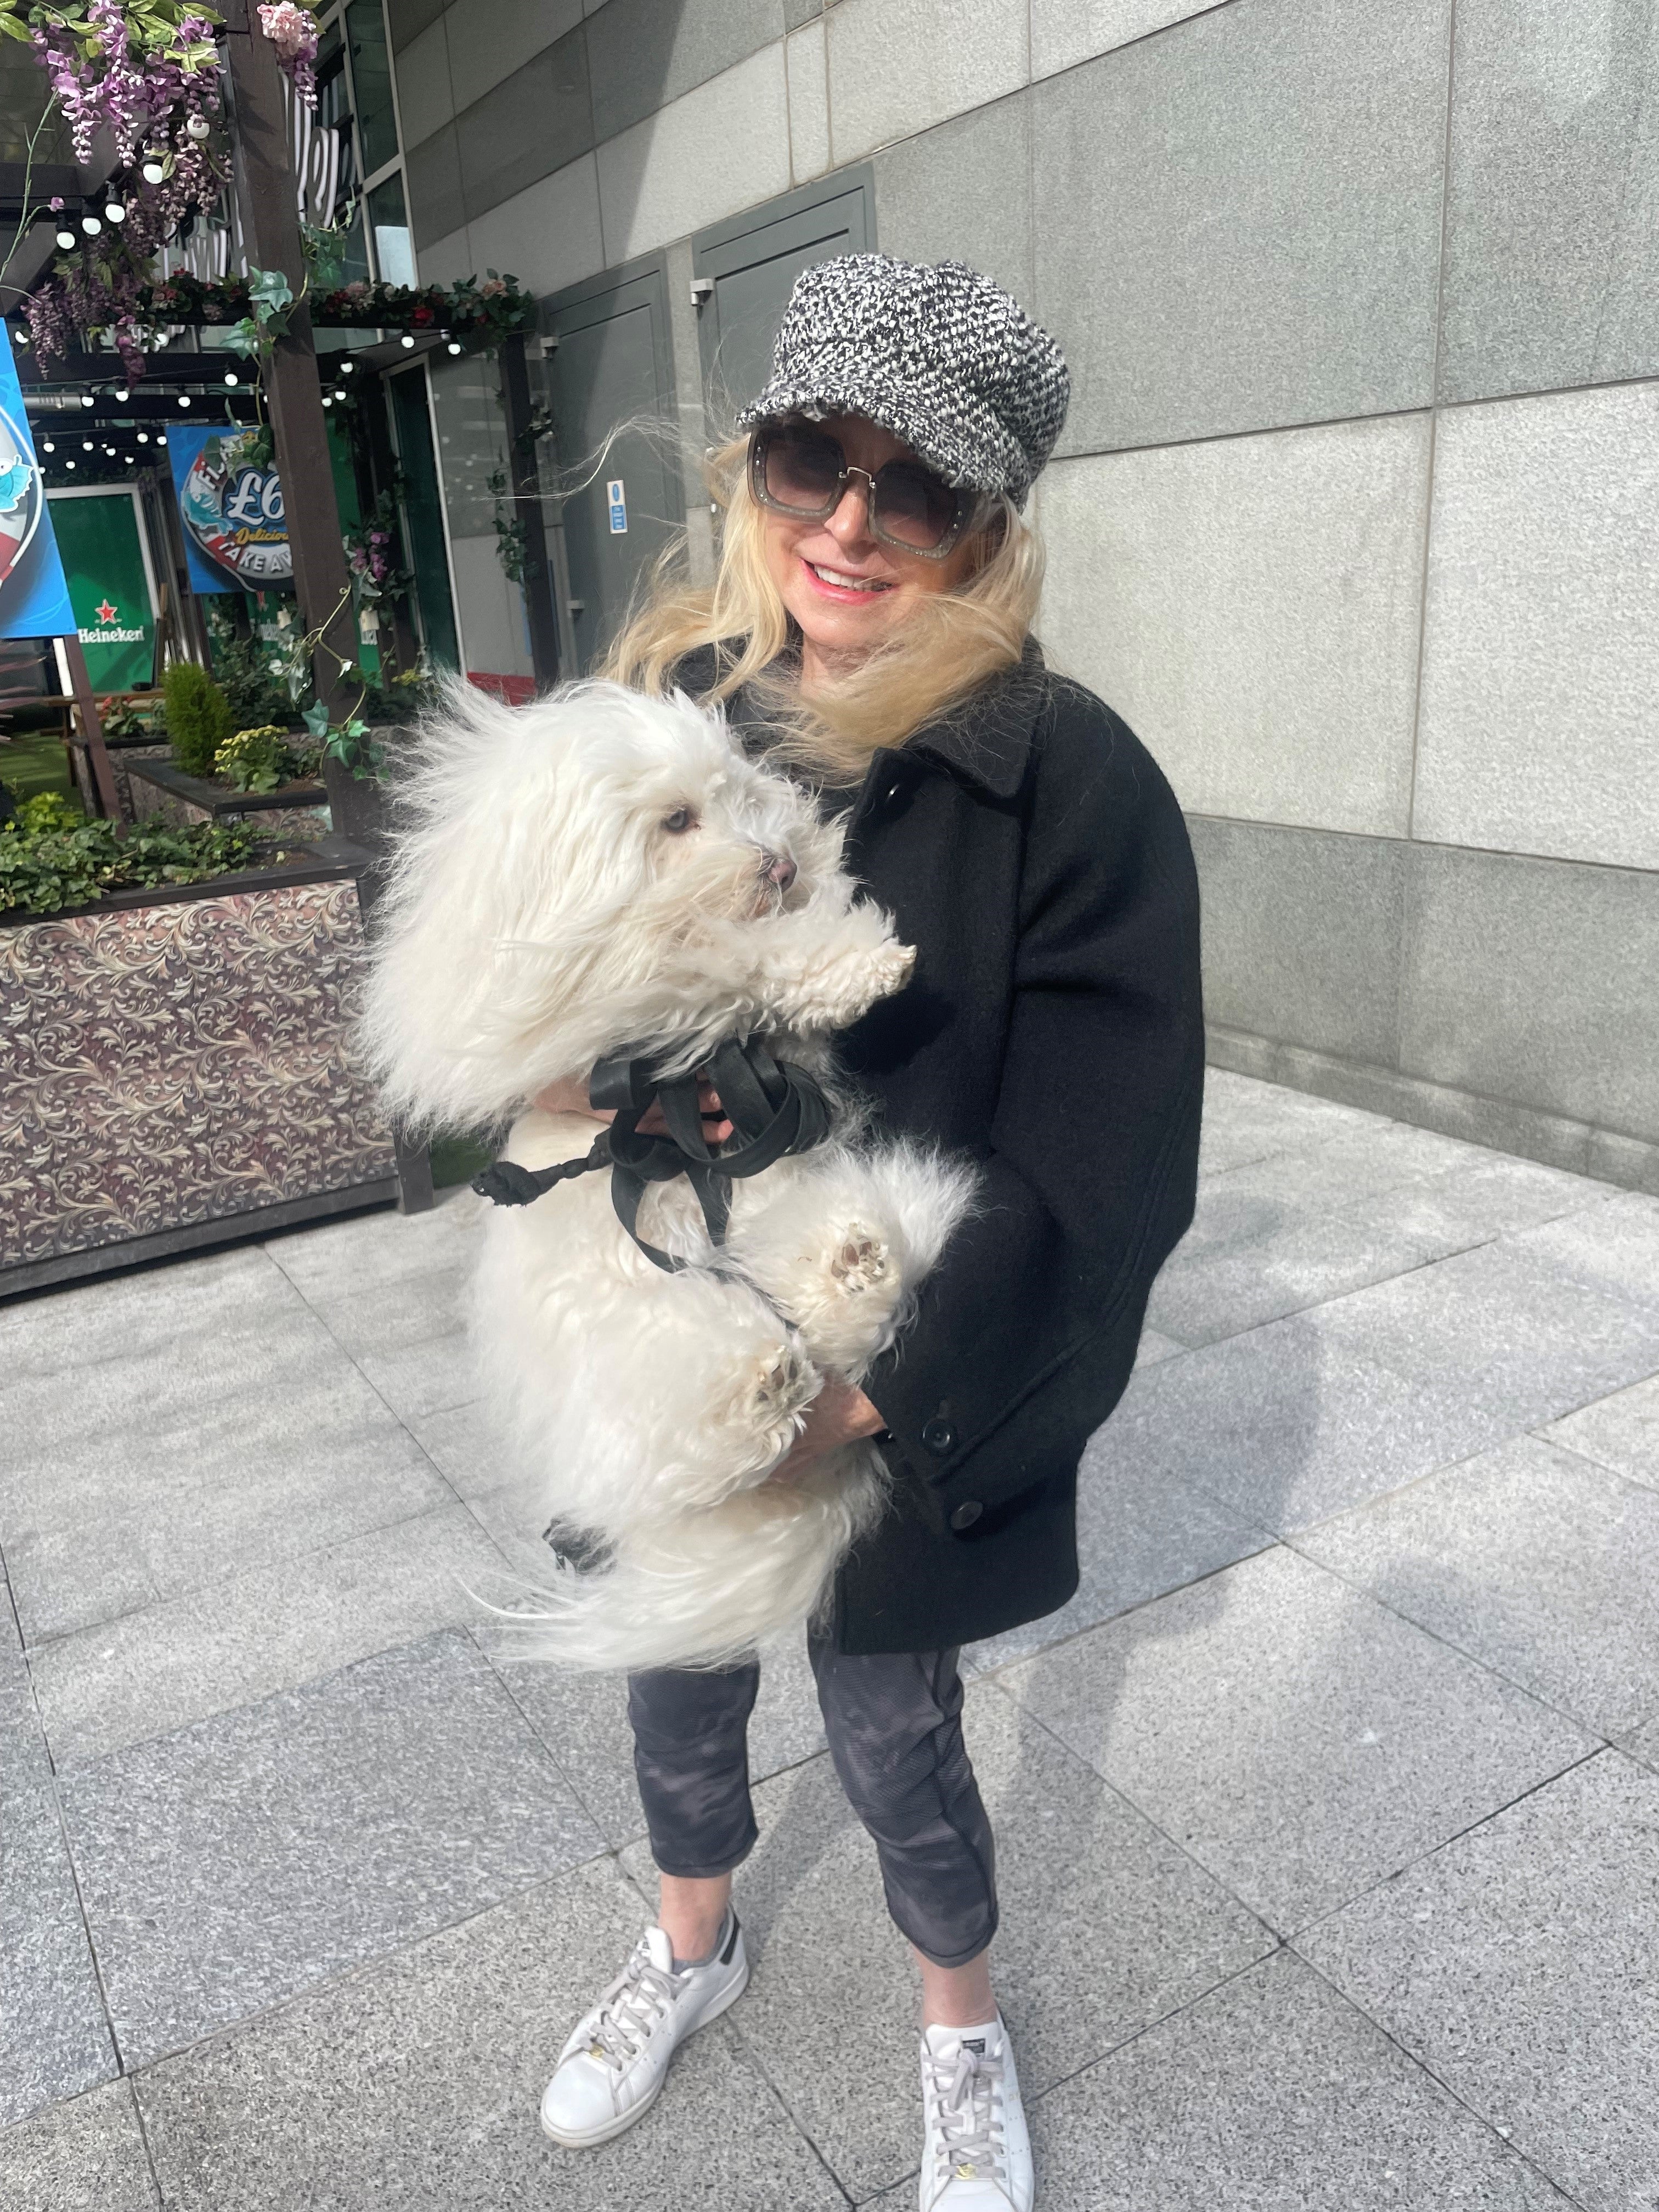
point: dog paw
(852, 985)
(861, 1263)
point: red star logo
(107, 613)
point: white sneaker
(611, 2070)
(977, 2155)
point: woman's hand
(840, 1415)
(570, 1096)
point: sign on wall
(230, 500)
(33, 600)
(101, 542)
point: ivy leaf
(315, 718)
(270, 291)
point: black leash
(775, 1108)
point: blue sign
(230, 500)
(34, 600)
(615, 492)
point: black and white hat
(935, 353)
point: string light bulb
(91, 225)
(69, 465)
(161, 437)
(407, 343)
(123, 394)
(155, 171)
(184, 399)
(86, 444)
(230, 378)
(66, 236)
(454, 345)
(87, 399)
(143, 437)
(114, 212)
(48, 447)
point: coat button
(966, 1514)
(939, 1436)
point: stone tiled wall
(1355, 517)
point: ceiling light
(161, 437)
(86, 444)
(114, 212)
(66, 236)
(129, 459)
(48, 447)
(69, 465)
(143, 437)
(91, 225)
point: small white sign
(615, 492)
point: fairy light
(407, 343)
(87, 399)
(155, 172)
(66, 236)
(230, 378)
(114, 212)
(91, 225)
(184, 399)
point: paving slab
(1620, 1431)
(1536, 1562)
(1615, 1249)
(583, 1721)
(270, 1627)
(1517, 1963)
(1251, 1256)
(23, 1755)
(252, 1855)
(392, 1290)
(210, 1421)
(1285, 1425)
(1105, 1926)
(1271, 2092)
(1361, 1159)
(1141, 1532)
(54, 2038)
(1244, 1119)
(1504, 1329)
(85, 2156)
(416, 2084)
(1300, 1741)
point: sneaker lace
(635, 2006)
(966, 2093)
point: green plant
(42, 871)
(255, 760)
(246, 670)
(512, 537)
(48, 810)
(131, 721)
(198, 717)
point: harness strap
(774, 1107)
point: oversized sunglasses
(794, 468)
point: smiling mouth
(838, 580)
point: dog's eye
(679, 821)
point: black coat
(1029, 849)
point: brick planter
(179, 1072)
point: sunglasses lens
(801, 471)
(915, 507)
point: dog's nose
(781, 870)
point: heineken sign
(100, 536)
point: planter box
(178, 1073)
(161, 791)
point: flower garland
(477, 311)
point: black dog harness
(774, 1107)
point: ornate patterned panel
(168, 1065)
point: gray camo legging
(894, 1724)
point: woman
(871, 623)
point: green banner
(97, 534)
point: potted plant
(218, 772)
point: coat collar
(985, 740)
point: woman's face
(849, 591)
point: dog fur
(602, 873)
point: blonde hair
(952, 641)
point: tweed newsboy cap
(935, 353)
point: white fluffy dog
(600, 873)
